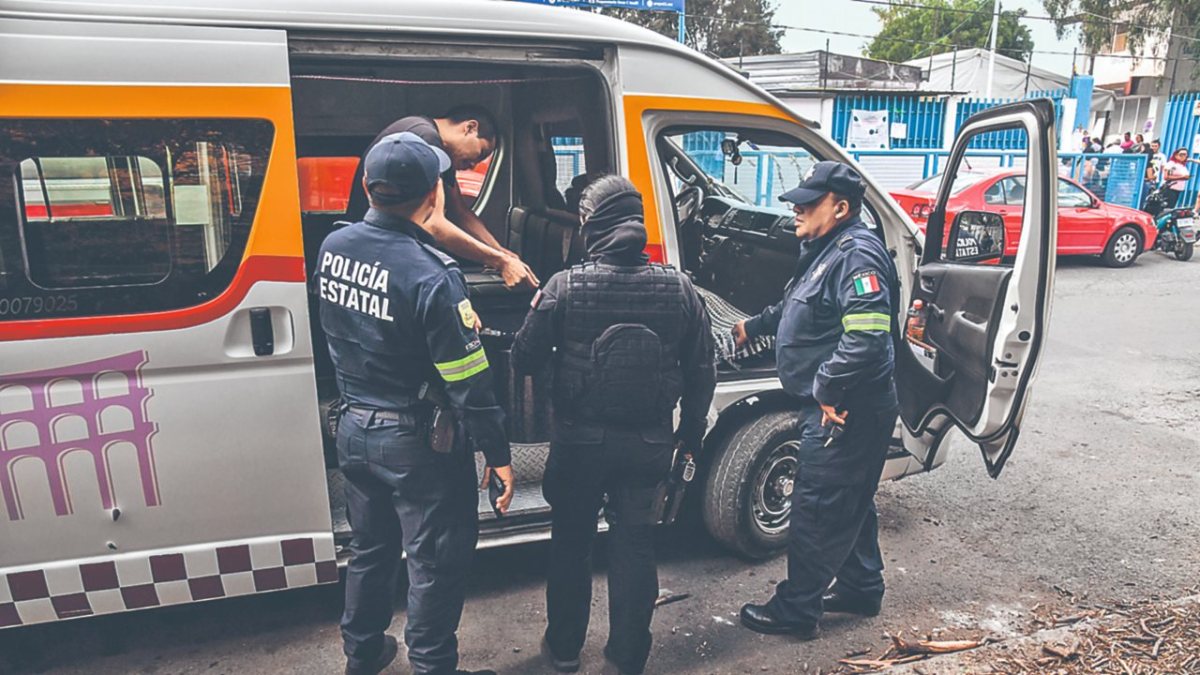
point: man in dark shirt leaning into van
(468, 135)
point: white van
(168, 169)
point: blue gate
(1008, 139)
(922, 115)
(1181, 129)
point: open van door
(986, 316)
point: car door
(1082, 222)
(986, 323)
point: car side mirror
(977, 236)
(729, 148)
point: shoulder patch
(866, 283)
(467, 313)
(441, 256)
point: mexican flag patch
(866, 283)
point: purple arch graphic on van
(94, 407)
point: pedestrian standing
(835, 356)
(402, 336)
(1176, 174)
(627, 340)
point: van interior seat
(548, 240)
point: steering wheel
(687, 203)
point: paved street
(1100, 502)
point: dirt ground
(1098, 508)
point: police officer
(402, 335)
(835, 355)
(627, 341)
(467, 134)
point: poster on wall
(868, 130)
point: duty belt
(382, 415)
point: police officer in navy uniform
(627, 341)
(835, 355)
(402, 334)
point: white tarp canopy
(966, 71)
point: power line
(955, 10)
(1168, 31)
(713, 18)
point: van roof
(482, 18)
(479, 17)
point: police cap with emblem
(402, 167)
(823, 178)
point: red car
(1086, 225)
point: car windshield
(962, 181)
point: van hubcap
(773, 487)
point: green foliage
(1097, 22)
(907, 30)
(719, 28)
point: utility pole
(682, 25)
(992, 58)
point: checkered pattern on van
(104, 586)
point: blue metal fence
(1009, 139)
(763, 176)
(923, 117)
(1182, 125)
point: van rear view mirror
(977, 236)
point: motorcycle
(1176, 226)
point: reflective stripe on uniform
(867, 321)
(471, 364)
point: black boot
(559, 665)
(390, 648)
(759, 619)
(852, 603)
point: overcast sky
(848, 16)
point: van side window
(124, 216)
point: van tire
(746, 478)
(1123, 248)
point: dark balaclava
(614, 228)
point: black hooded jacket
(619, 285)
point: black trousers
(401, 495)
(833, 531)
(626, 467)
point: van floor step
(529, 461)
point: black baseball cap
(823, 178)
(406, 164)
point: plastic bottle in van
(915, 326)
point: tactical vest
(620, 358)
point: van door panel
(986, 323)
(133, 438)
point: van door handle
(262, 333)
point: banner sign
(868, 130)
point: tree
(720, 28)
(913, 29)
(1098, 21)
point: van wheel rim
(1125, 248)
(773, 488)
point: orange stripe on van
(252, 271)
(276, 230)
(636, 106)
(275, 250)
